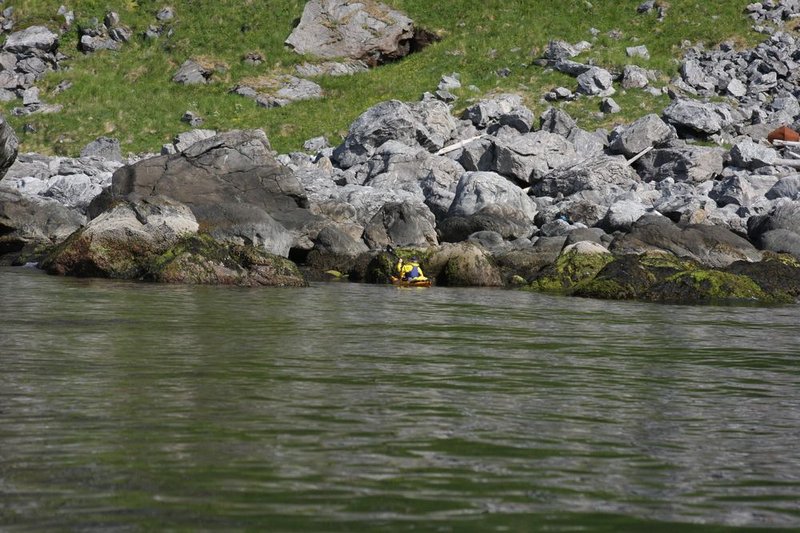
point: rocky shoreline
(655, 210)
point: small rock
(450, 82)
(646, 7)
(193, 119)
(596, 82)
(608, 105)
(638, 51)
(165, 13)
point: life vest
(412, 270)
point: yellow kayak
(411, 282)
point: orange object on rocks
(784, 133)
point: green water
(342, 407)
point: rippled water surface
(342, 407)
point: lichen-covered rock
(462, 265)
(201, 260)
(119, 243)
(664, 277)
(707, 286)
(577, 263)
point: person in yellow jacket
(409, 270)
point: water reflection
(130, 405)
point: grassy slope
(129, 95)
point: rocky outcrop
(232, 183)
(120, 242)
(426, 124)
(365, 31)
(108, 35)
(29, 225)
(9, 146)
(26, 57)
(200, 260)
(488, 198)
(708, 245)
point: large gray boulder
(505, 221)
(558, 121)
(366, 31)
(647, 131)
(503, 109)
(702, 118)
(245, 224)
(215, 177)
(9, 145)
(401, 224)
(596, 82)
(744, 189)
(527, 158)
(333, 240)
(103, 147)
(432, 178)
(777, 229)
(117, 243)
(622, 215)
(712, 246)
(604, 175)
(786, 187)
(365, 201)
(681, 162)
(28, 223)
(485, 201)
(425, 124)
(31, 40)
(477, 190)
(750, 155)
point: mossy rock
(463, 265)
(709, 286)
(572, 267)
(624, 278)
(778, 275)
(84, 256)
(199, 259)
(380, 268)
(630, 277)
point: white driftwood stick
(781, 142)
(637, 156)
(787, 163)
(458, 145)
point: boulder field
(690, 205)
(491, 198)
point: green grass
(129, 94)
